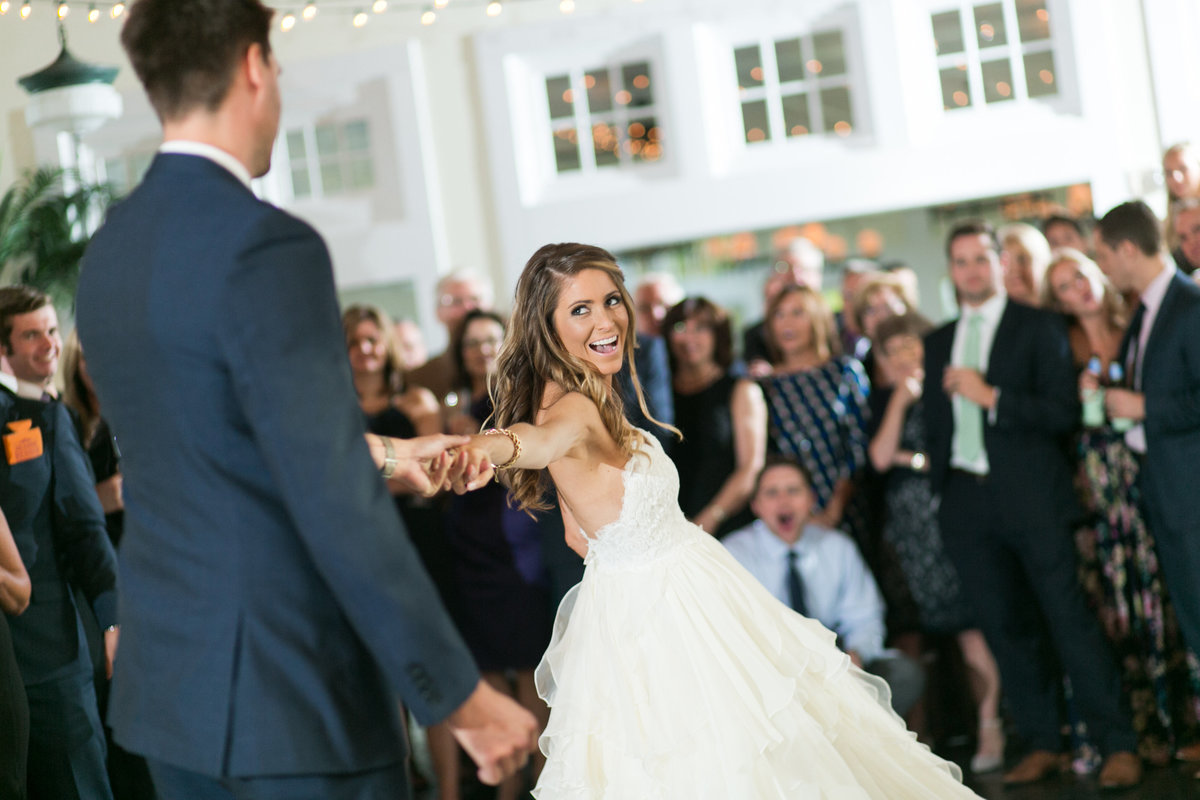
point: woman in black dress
(504, 611)
(127, 772)
(910, 529)
(14, 710)
(395, 409)
(723, 419)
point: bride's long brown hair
(533, 356)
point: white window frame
(772, 89)
(1013, 50)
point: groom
(272, 604)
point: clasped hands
(427, 465)
(968, 383)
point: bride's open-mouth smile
(605, 347)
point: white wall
(455, 87)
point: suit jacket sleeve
(1049, 402)
(287, 356)
(1178, 411)
(80, 535)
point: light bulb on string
(26, 10)
(63, 9)
(287, 22)
(117, 10)
(494, 8)
(566, 6)
(440, 3)
(360, 18)
(5, 5)
(93, 13)
(379, 6)
(309, 12)
(428, 16)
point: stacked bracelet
(390, 462)
(512, 437)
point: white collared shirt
(990, 311)
(215, 154)
(1152, 298)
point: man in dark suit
(272, 604)
(1001, 395)
(1162, 357)
(48, 498)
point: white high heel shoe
(989, 750)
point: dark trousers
(66, 741)
(1179, 555)
(385, 783)
(1022, 586)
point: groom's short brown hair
(185, 51)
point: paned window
(330, 158)
(994, 52)
(795, 87)
(603, 117)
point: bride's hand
(470, 469)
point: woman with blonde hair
(395, 409)
(1024, 256)
(817, 403)
(672, 673)
(1120, 569)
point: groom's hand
(423, 466)
(496, 732)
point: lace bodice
(650, 523)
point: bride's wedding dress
(674, 674)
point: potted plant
(46, 219)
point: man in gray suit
(272, 604)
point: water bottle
(1093, 399)
(1116, 377)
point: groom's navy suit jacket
(272, 604)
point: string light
(305, 10)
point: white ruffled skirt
(684, 678)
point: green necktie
(970, 416)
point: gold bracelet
(390, 462)
(512, 437)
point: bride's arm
(565, 427)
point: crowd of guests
(1009, 482)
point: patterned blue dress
(819, 418)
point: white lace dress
(673, 674)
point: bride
(672, 673)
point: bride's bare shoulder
(558, 402)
